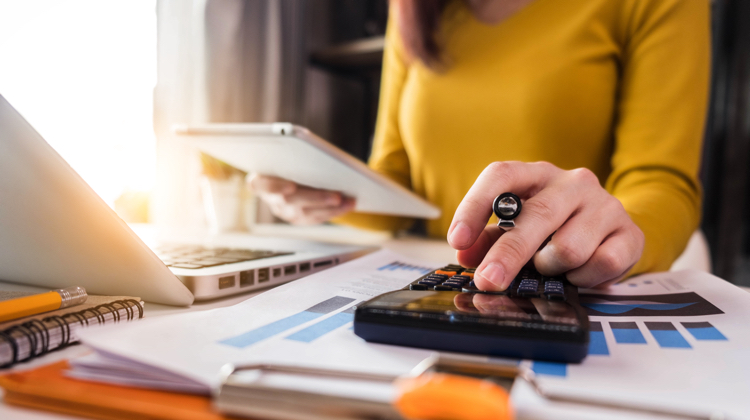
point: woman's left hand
(595, 241)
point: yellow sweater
(616, 86)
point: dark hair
(419, 26)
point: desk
(416, 247)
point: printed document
(676, 342)
(307, 322)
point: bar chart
(627, 333)
(308, 334)
(666, 335)
(397, 265)
(323, 327)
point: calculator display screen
(478, 305)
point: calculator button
(454, 284)
(446, 272)
(528, 287)
(443, 288)
(439, 277)
(554, 290)
(429, 282)
(553, 284)
(417, 287)
(472, 288)
(555, 295)
(460, 278)
(469, 288)
(513, 285)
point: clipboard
(442, 386)
(427, 392)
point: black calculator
(537, 317)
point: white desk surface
(437, 250)
(416, 247)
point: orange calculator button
(447, 273)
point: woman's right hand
(298, 204)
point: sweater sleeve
(660, 123)
(388, 155)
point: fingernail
(334, 199)
(495, 274)
(461, 235)
(346, 203)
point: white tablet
(294, 153)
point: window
(82, 72)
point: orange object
(469, 274)
(440, 396)
(429, 396)
(43, 302)
(447, 273)
(46, 388)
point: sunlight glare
(82, 72)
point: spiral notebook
(25, 338)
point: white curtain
(224, 61)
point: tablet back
(294, 153)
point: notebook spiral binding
(36, 332)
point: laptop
(55, 232)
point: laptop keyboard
(194, 256)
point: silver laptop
(55, 231)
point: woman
(605, 100)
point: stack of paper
(676, 343)
(304, 323)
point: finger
(578, 238)
(271, 184)
(314, 198)
(316, 215)
(611, 261)
(542, 215)
(473, 256)
(476, 208)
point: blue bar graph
(550, 368)
(269, 330)
(703, 331)
(597, 342)
(667, 336)
(323, 327)
(397, 265)
(627, 333)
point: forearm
(666, 207)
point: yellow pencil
(43, 302)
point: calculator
(536, 317)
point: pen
(43, 302)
